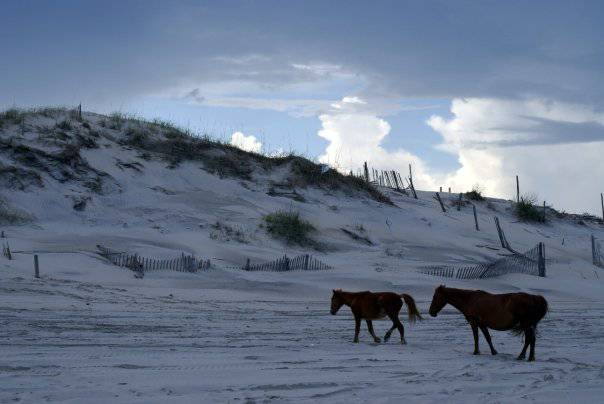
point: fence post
(36, 266)
(541, 260)
(594, 254)
(475, 217)
(366, 172)
(504, 242)
(247, 264)
(602, 202)
(395, 180)
(286, 263)
(441, 202)
(517, 190)
(459, 204)
(6, 251)
(543, 211)
(306, 262)
(411, 182)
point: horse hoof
(404, 342)
(521, 358)
(476, 353)
(377, 340)
(494, 353)
(356, 341)
(531, 359)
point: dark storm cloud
(114, 51)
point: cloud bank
(493, 140)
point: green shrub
(288, 226)
(526, 210)
(475, 194)
(12, 115)
(137, 136)
(305, 172)
(116, 120)
(65, 125)
(228, 166)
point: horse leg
(527, 341)
(396, 323)
(370, 327)
(389, 332)
(487, 336)
(531, 357)
(475, 332)
(357, 328)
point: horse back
(372, 305)
(528, 306)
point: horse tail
(411, 308)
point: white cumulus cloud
(246, 142)
(355, 137)
(556, 149)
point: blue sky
(468, 92)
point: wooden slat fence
(531, 262)
(304, 262)
(384, 178)
(135, 262)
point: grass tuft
(12, 115)
(288, 226)
(475, 194)
(64, 125)
(527, 211)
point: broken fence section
(531, 262)
(184, 263)
(304, 262)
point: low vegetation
(288, 226)
(11, 216)
(163, 140)
(527, 211)
(224, 232)
(13, 115)
(305, 172)
(475, 194)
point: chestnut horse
(372, 306)
(519, 312)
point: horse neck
(347, 297)
(458, 298)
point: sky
(468, 92)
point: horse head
(336, 301)
(438, 301)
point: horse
(518, 312)
(372, 306)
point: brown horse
(372, 306)
(519, 312)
